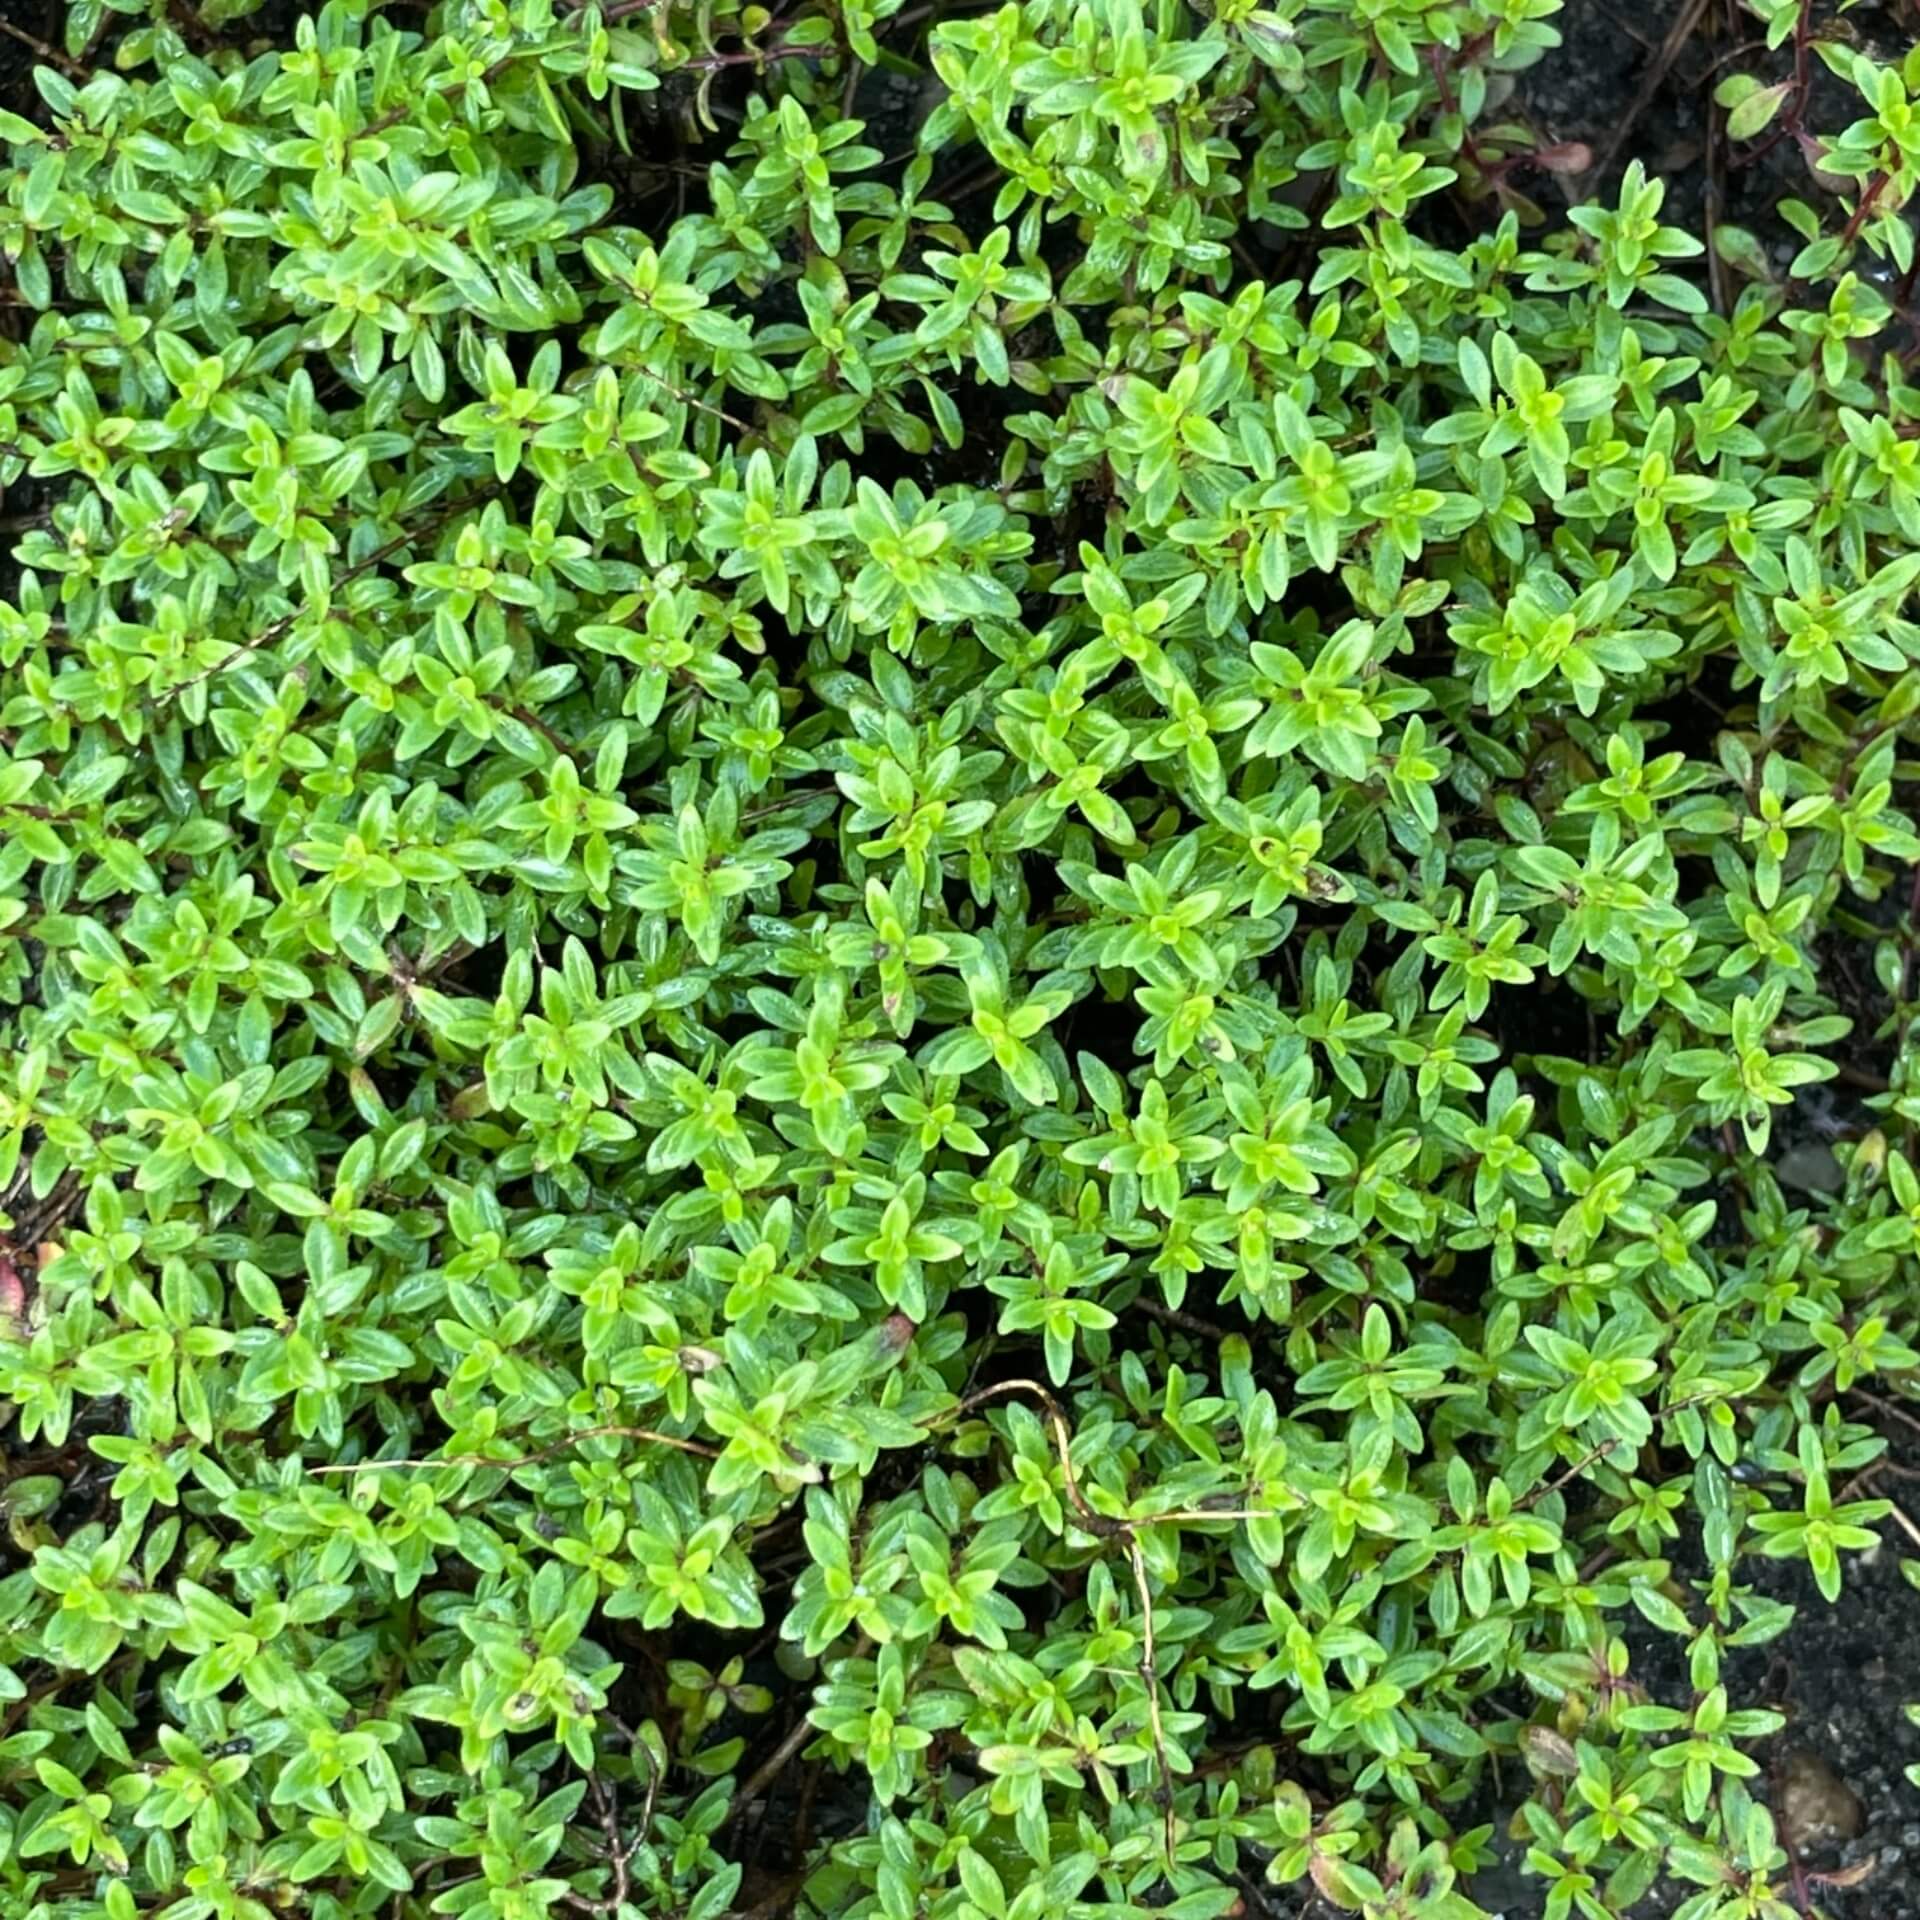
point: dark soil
(1634, 80)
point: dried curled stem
(1110, 1527)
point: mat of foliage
(895, 1032)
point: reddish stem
(1875, 187)
(1791, 121)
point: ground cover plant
(898, 1008)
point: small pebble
(1818, 1810)
(1812, 1168)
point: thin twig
(619, 1857)
(1579, 1467)
(770, 1769)
(654, 1772)
(1179, 1317)
(532, 1459)
(279, 628)
(46, 52)
(1898, 1515)
(750, 57)
(1887, 1407)
(1150, 1679)
(764, 1775)
(1733, 53)
(1852, 1076)
(1677, 37)
(692, 400)
(1102, 1526)
(38, 1223)
(1632, 32)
